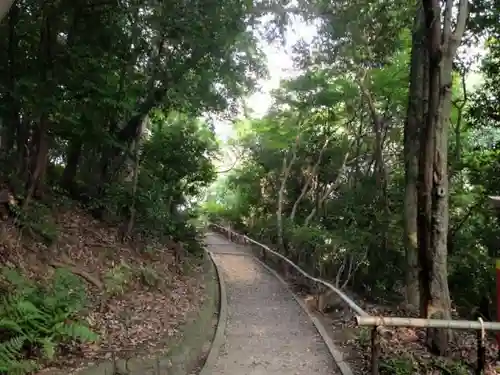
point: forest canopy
(374, 165)
(372, 168)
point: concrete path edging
(219, 337)
(338, 357)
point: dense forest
(107, 109)
(372, 168)
(374, 165)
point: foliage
(38, 319)
(331, 129)
(318, 163)
(112, 104)
(109, 108)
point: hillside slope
(132, 295)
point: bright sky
(280, 67)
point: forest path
(267, 331)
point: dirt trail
(267, 332)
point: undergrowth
(39, 319)
(36, 319)
(409, 366)
(410, 363)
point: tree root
(85, 275)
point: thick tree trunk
(38, 163)
(415, 117)
(13, 119)
(442, 42)
(40, 141)
(434, 294)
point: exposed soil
(139, 294)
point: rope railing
(377, 322)
(358, 310)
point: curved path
(267, 332)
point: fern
(10, 325)
(32, 316)
(9, 350)
(48, 347)
(10, 358)
(16, 280)
(19, 367)
(75, 331)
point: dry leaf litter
(140, 317)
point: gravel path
(267, 332)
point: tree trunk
(442, 43)
(135, 181)
(382, 176)
(134, 177)
(13, 119)
(39, 158)
(415, 117)
(328, 190)
(379, 129)
(281, 197)
(22, 138)
(305, 188)
(72, 160)
(38, 163)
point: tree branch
(458, 33)
(305, 188)
(447, 32)
(330, 189)
(281, 194)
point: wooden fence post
(495, 203)
(375, 343)
(481, 350)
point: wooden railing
(362, 318)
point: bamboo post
(284, 267)
(481, 350)
(495, 203)
(426, 323)
(375, 354)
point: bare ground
(267, 331)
